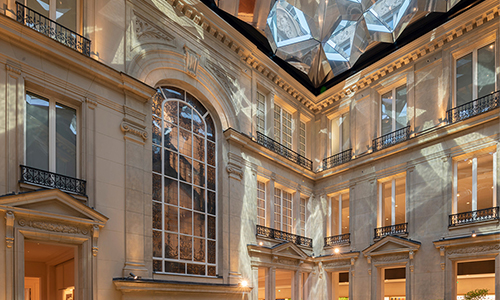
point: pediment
(51, 203)
(391, 245)
(289, 249)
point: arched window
(184, 185)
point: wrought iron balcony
(398, 229)
(473, 108)
(284, 236)
(338, 240)
(52, 29)
(476, 216)
(287, 153)
(52, 180)
(392, 138)
(337, 159)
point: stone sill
(275, 242)
(475, 224)
(127, 285)
(34, 187)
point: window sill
(475, 224)
(187, 278)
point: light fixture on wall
(261, 243)
(244, 283)
(473, 233)
(135, 277)
(336, 250)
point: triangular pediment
(390, 245)
(289, 249)
(51, 203)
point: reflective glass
(387, 203)
(345, 213)
(40, 6)
(196, 269)
(170, 191)
(156, 131)
(400, 205)
(401, 114)
(486, 70)
(157, 101)
(464, 79)
(464, 188)
(199, 173)
(198, 148)
(211, 271)
(196, 104)
(173, 93)
(198, 125)
(185, 172)
(66, 129)
(199, 224)
(157, 221)
(211, 252)
(37, 132)
(170, 164)
(170, 110)
(157, 243)
(386, 113)
(185, 116)
(156, 159)
(335, 135)
(211, 153)
(346, 131)
(66, 13)
(485, 181)
(210, 128)
(185, 142)
(171, 219)
(199, 199)
(185, 195)
(186, 247)
(171, 245)
(186, 219)
(199, 250)
(211, 202)
(211, 227)
(211, 178)
(170, 137)
(174, 267)
(156, 187)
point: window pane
(486, 70)
(173, 92)
(199, 173)
(199, 224)
(170, 161)
(386, 203)
(210, 128)
(185, 195)
(261, 113)
(185, 142)
(400, 200)
(185, 115)
(40, 6)
(157, 243)
(66, 13)
(198, 125)
(186, 247)
(277, 123)
(485, 181)
(335, 215)
(211, 252)
(335, 135)
(211, 153)
(156, 159)
(401, 114)
(199, 199)
(211, 203)
(195, 103)
(261, 203)
(37, 132)
(199, 250)
(170, 133)
(386, 113)
(170, 191)
(303, 207)
(464, 189)
(286, 138)
(171, 245)
(157, 215)
(173, 267)
(186, 218)
(156, 187)
(198, 148)
(185, 172)
(196, 269)
(211, 227)
(277, 209)
(170, 111)
(345, 132)
(464, 80)
(156, 131)
(345, 213)
(287, 212)
(171, 218)
(211, 178)
(66, 128)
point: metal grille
(473, 108)
(52, 180)
(52, 29)
(338, 240)
(287, 153)
(337, 159)
(392, 138)
(476, 216)
(284, 236)
(391, 230)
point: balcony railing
(287, 153)
(338, 240)
(397, 229)
(482, 215)
(337, 159)
(284, 236)
(473, 108)
(52, 180)
(392, 138)
(52, 29)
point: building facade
(150, 150)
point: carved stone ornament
(13, 69)
(135, 130)
(9, 234)
(53, 226)
(145, 31)
(95, 237)
(340, 263)
(234, 171)
(474, 249)
(288, 262)
(192, 61)
(386, 258)
(221, 75)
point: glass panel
(157, 243)
(211, 271)
(335, 135)
(173, 92)
(156, 131)
(464, 80)
(156, 159)
(171, 218)
(199, 199)
(37, 132)
(156, 187)
(210, 128)
(346, 131)
(40, 6)
(157, 100)
(185, 172)
(277, 123)
(171, 245)
(486, 70)
(186, 218)
(345, 213)
(157, 265)
(283, 284)
(211, 153)
(199, 173)
(196, 269)
(198, 148)
(400, 200)
(386, 203)
(211, 203)
(335, 215)
(198, 125)
(66, 13)
(171, 168)
(287, 212)
(199, 250)
(287, 130)
(185, 141)
(170, 111)
(261, 203)
(170, 191)
(185, 195)
(199, 224)
(185, 116)
(66, 128)
(261, 113)
(277, 209)
(401, 119)
(211, 227)
(211, 252)
(386, 113)
(211, 178)
(157, 215)
(170, 137)
(464, 189)
(174, 267)
(186, 247)
(195, 103)
(485, 181)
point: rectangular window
(393, 201)
(393, 110)
(302, 141)
(339, 134)
(261, 203)
(51, 136)
(283, 126)
(282, 210)
(475, 74)
(63, 12)
(340, 214)
(261, 113)
(303, 215)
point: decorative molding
(134, 129)
(474, 249)
(221, 75)
(91, 103)
(192, 61)
(394, 257)
(288, 262)
(442, 253)
(95, 237)
(145, 31)
(53, 226)
(234, 171)
(340, 263)
(9, 233)
(13, 69)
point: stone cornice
(162, 286)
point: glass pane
(185, 195)
(171, 218)
(156, 187)
(157, 243)
(211, 271)
(211, 203)
(400, 200)
(199, 199)
(186, 218)
(210, 128)
(346, 131)
(211, 227)
(211, 178)
(156, 159)
(170, 111)
(195, 103)
(174, 267)
(199, 224)
(185, 115)
(485, 181)
(185, 172)
(464, 188)
(170, 191)
(171, 245)
(335, 135)
(486, 70)
(345, 213)
(186, 247)
(157, 100)
(198, 125)
(283, 284)
(464, 80)
(211, 153)
(40, 6)
(196, 269)
(199, 250)
(185, 141)
(335, 216)
(211, 252)
(156, 131)
(386, 113)
(170, 164)
(386, 203)
(37, 132)
(157, 265)
(157, 215)
(401, 119)
(198, 148)
(170, 137)
(66, 13)
(66, 128)
(199, 173)
(173, 92)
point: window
(302, 139)
(51, 135)
(339, 134)
(184, 185)
(393, 110)
(340, 213)
(392, 201)
(474, 183)
(283, 126)
(63, 12)
(261, 113)
(282, 210)
(475, 74)
(303, 215)
(261, 203)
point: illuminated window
(51, 135)
(475, 74)
(339, 134)
(303, 215)
(340, 213)
(282, 210)
(63, 12)
(302, 139)
(261, 203)
(261, 113)
(184, 185)
(393, 115)
(283, 126)
(392, 201)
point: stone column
(377, 288)
(254, 294)
(335, 286)
(408, 281)
(497, 275)
(271, 283)
(296, 281)
(270, 202)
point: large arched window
(184, 185)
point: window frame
(264, 200)
(303, 215)
(302, 137)
(52, 13)
(392, 89)
(338, 217)
(282, 210)
(380, 200)
(280, 122)
(261, 114)
(340, 134)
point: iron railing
(52, 180)
(475, 216)
(287, 153)
(337, 159)
(391, 230)
(338, 239)
(284, 236)
(391, 138)
(52, 29)
(473, 108)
